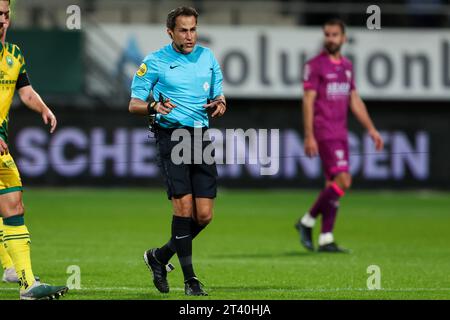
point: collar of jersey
(325, 54)
(183, 54)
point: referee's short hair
(180, 11)
(335, 22)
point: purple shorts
(334, 156)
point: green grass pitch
(250, 251)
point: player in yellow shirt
(14, 235)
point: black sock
(166, 252)
(181, 233)
(196, 228)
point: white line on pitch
(256, 289)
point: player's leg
(306, 224)
(334, 157)
(17, 242)
(16, 236)
(9, 273)
(10, 201)
(338, 181)
(336, 188)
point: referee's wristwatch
(151, 107)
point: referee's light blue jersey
(188, 80)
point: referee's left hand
(219, 105)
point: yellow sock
(17, 242)
(5, 259)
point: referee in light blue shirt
(176, 85)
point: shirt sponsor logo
(8, 82)
(331, 76)
(338, 89)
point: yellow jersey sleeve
(12, 68)
(20, 58)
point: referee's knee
(204, 217)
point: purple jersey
(333, 82)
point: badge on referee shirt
(142, 70)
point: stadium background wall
(54, 59)
(105, 147)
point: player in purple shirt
(329, 90)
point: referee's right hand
(164, 107)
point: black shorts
(200, 180)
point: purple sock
(316, 208)
(329, 206)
